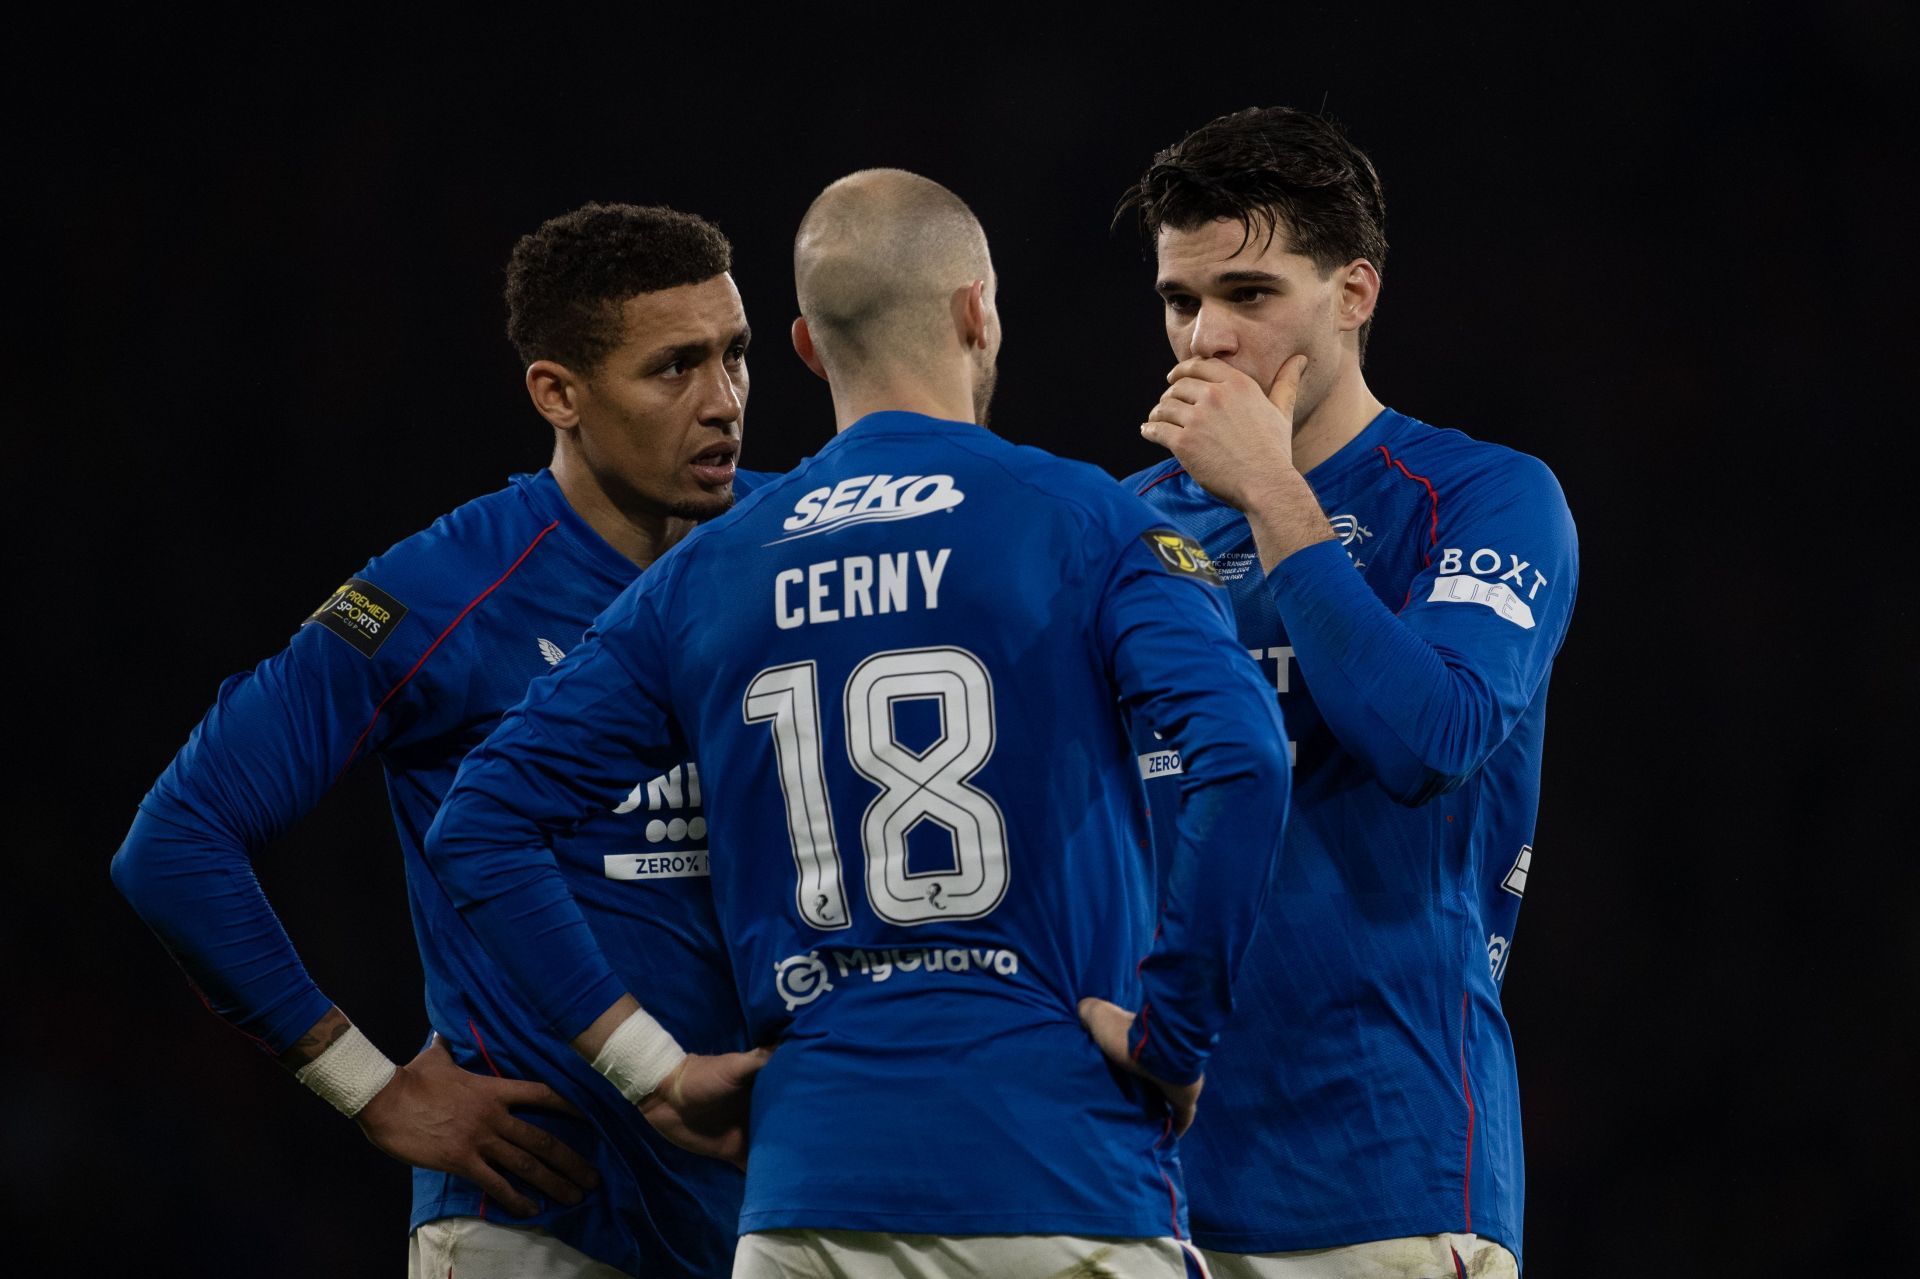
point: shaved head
(877, 262)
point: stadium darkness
(260, 289)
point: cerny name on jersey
(858, 586)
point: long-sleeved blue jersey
(1366, 1086)
(902, 669)
(413, 660)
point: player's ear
(803, 347)
(970, 310)
(1359, 293)
(554, 392)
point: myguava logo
(869, 499)
(800, 979)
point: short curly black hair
(1270, 168)
(567, 281)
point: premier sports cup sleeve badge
(361, 614)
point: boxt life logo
(869, 499)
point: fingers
(524, 1092)
(1183, 1112)
(1286, 386)
(1203, 368)
(499, 1189)
(1108, 1023)
(508, 1157)
(551, 1151)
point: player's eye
(1182, 304)
(1250, 294)
(673, 368)
(736, 353)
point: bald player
(941, 875)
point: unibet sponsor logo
(1181, 555)
(869, 499)
(360, 613)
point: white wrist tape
(638, 1055)
(348, 1073)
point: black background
(258, 338)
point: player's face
(661, 416)
(1252, 305)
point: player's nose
(1214, 336)
(722, 401)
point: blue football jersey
(1366, 1088)
(412, 661)
(903, 669)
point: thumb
(1108, 1024)
(1286, 385)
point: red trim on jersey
(479, 1042)
(1178, 470)
(1467, 1088)
(1459, 1266)
(1173, 1196)
(1146, 1033)
(440, 639)
(482, 1045)
(1433, 506)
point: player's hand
(1234, 438)
(702, 1106)
(433, 1114)
(1109, 1024)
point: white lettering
(931, 571)
(806, 510)
(1474, 563)
(1449, 559)
(785, 617)
(893, 583)
(858, 597)
(1471, 590)
(1513, 574)
(1538, 582)
(845, 494)
(817, 610)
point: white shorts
(859, 1254)
(1418, 1257)
(469, 1248)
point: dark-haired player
(1406, 589)
(635, 345)
(941, 866)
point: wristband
(348, 1073)
(638, 1055)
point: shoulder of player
(1464, 466)
(1140, 482)
(433, 579)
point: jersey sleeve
(1424, 696)
(274, 741)
(565, 752)
(1164, 624)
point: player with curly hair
(634, 342)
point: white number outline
(790, 699)
(914, 786)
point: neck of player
(944, 394)
(1332, 424)
(643, 536)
